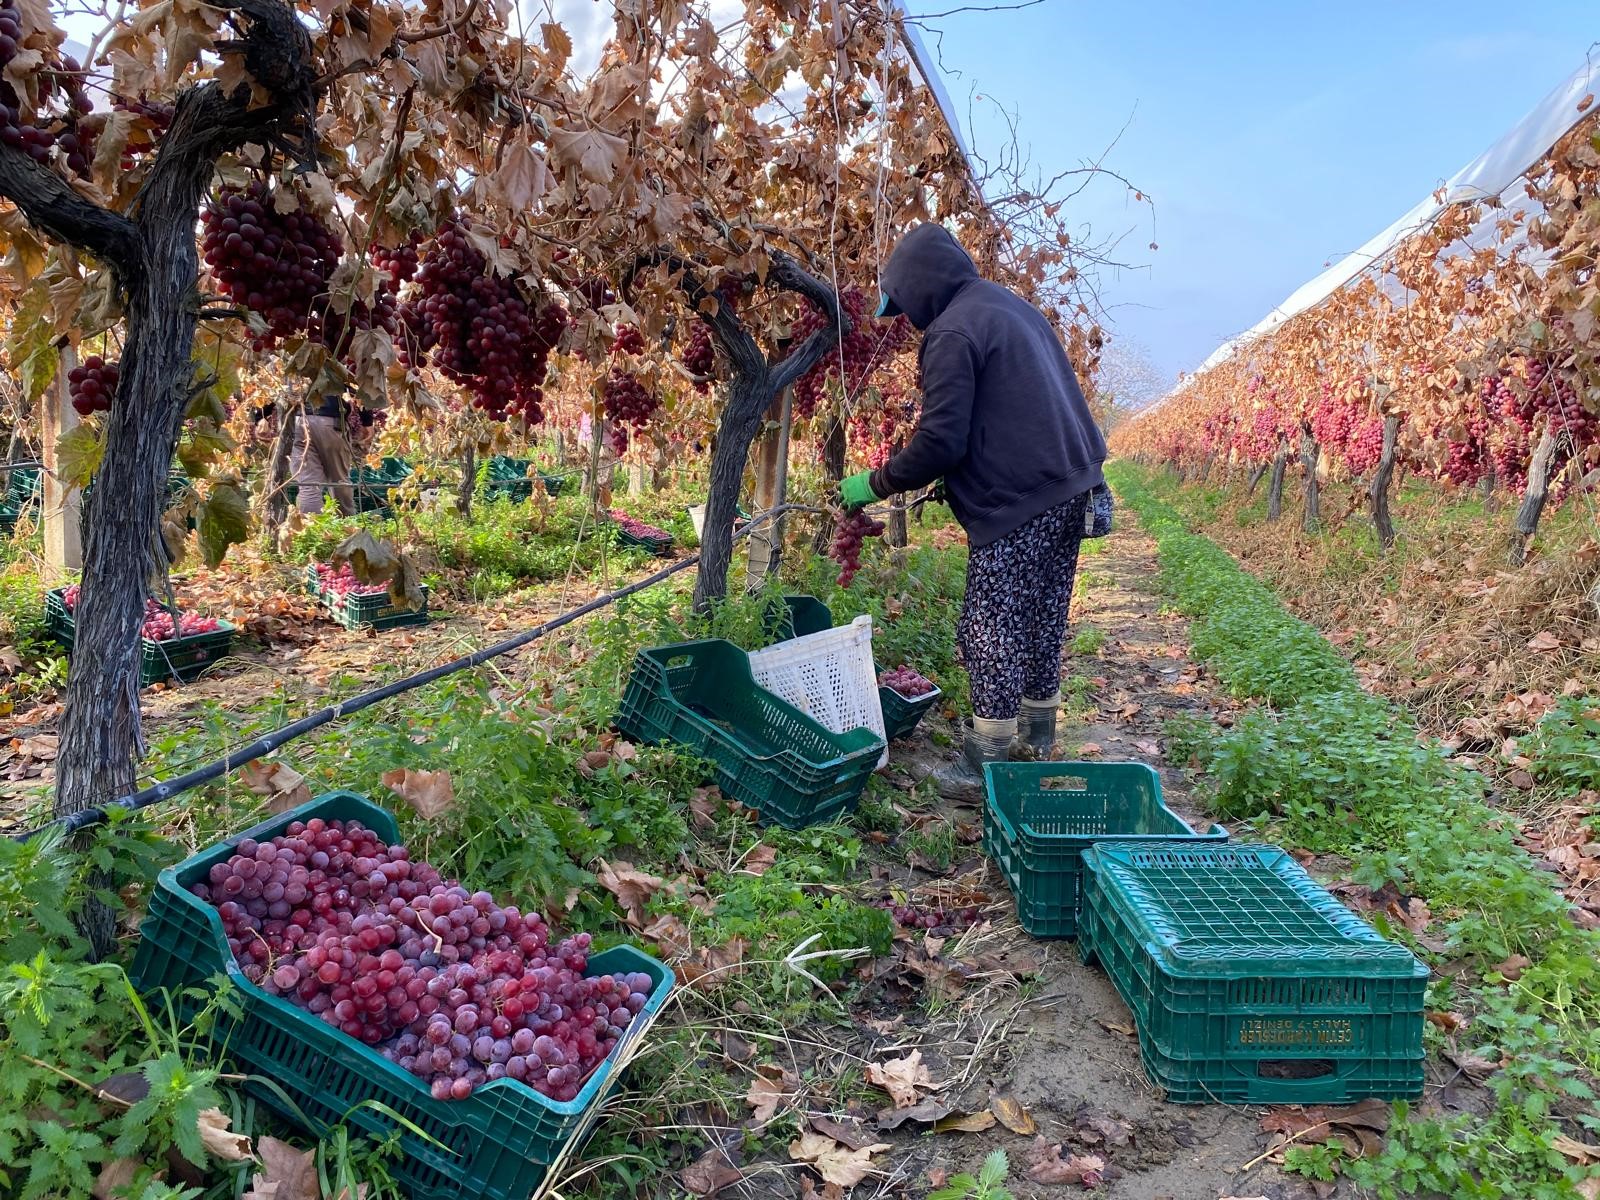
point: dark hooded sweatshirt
(1004, 422)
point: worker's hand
(855, 491)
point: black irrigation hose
(237, 757)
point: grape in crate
(1005, 427)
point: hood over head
(926, 269)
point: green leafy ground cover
(1324, 766)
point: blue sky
(1272, 137)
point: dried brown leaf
(219, 1140)
(1011, 1114)
(431, 793)
(710, 1173)
(905, 1079)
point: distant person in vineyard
(322, 456)
(1004, 424)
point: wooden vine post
(1378, 489)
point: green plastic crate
(497, 1142)
(507, 478)
(184, 659)
(1039, 818)
(1248, 982)
(901, 714)
(313, 580)
(9, 514)
(769, 755)
(373, 610)
(24, 486)
(660, 547)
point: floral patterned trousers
(1014, 615)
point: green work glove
(855, 491)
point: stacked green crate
(1248, 982)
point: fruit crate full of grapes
(769, 755)
(485, 1134)
(1039, 818)
(184, 658)
(633, 532)
(905, 696)
(357, 606)
(1248, 982)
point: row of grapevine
(1469, 356)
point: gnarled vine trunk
(1255, 479)
(1526, 522)
(153, 257)
(1310, 452)
(1275, 489)
(1378, 489)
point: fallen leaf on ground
(290, 1174)
(114, 1176)
(703, 807)
(1095, 1130)
(1513, 967)
(284, 787)
(219, 1140)
(1544, 640)
(926, 1111)
(905, 1079)
(735, 1048)
(1122, 1027)
(835, 1163)
(710, 1173)
(975, 1122)
(772, 1086)
(632, 888)
(846, 1131)
(429, 792)
(1011, 1114)
(759, 861)
(1045, 1165)
(1581, 1153)
(1090, 749)
(1359, 1128)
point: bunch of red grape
(158, 625)
(906, 682)
(273, 263)
(850, 531)
(336, 330)
(636, 528)
(867, 347)
(1332, 421)
(452, 987)
(92, 385)
(625, 398)
(910, 916)
(342, 581)
(700, 357)
(627, 341)
(32, 135)
(400, 263)
(1365, 446)
(481, 331)
(1264, 439)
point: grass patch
(1329, 767)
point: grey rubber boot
(985, 741)
(1037, 725)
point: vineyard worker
(1004, 424)
(323, 457)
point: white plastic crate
(829, 676)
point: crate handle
(1330, 1069)
(1063, 783)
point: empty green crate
(497, 1142)
(1248, 982)
(1039, 818)
(769, 755)
(356, 610)
(24, 486)
(805, 615)
(184, 659)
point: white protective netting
(829, 676)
